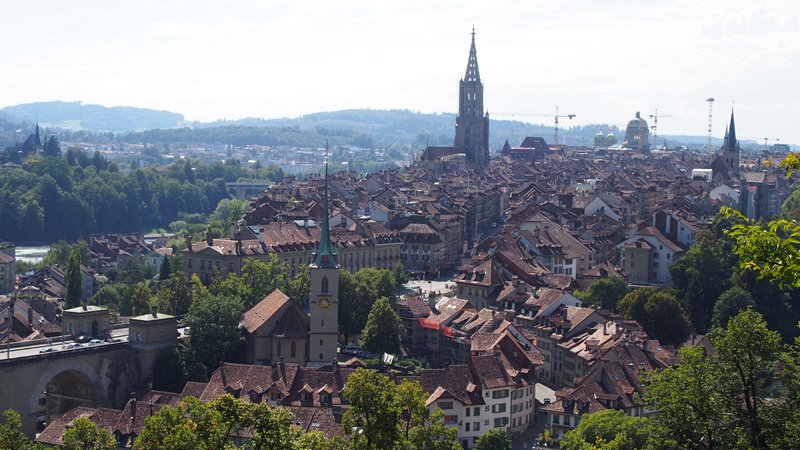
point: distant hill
(412, 128)
(77, 116)
(360, 127)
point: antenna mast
(710, 101)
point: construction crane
(655, 117)
(710, 101)
(555, 117)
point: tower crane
(655, 117)
(555, 119)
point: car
(83, 339)
(74, 345)
(47, 350)
(95, 342)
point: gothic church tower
(324, 298)
(730, 148)
(472, 126)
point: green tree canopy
(730, 303)
(609, 430)
(215, 337)
(86, 435)
(73, 280)
(658, 312)
(383, 330)
(494, 439)
(606, 292)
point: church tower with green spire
(324, 299)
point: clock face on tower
(324, 302)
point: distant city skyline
(601, 61)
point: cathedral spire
(472, 64)
(325, 256)
(732, 133)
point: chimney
(605, 328)
(209, 239)
(432, 301)
(189, 242)
(154, 311)
(261, 235)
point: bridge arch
(64, 386)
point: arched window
(279, 349)
(324, 285)
(294, 350)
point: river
(32, 254)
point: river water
(32, 254)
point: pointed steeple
(37, 139)
(732, 133)
(325, 254)
(472, 64)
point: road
(119, 335)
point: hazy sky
(601, 60)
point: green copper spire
(325, 253)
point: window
(280, 353)
(556, 419)
(320, 357)
(320, 343)
(477, 411)
(202, 263)
(324, 285)
(445, 405)
(500, 422)
(322, 322)
(503, 393)
(499, 408)
(467, 426)
(476, 426)
(294, 350)
(468, 411)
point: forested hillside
(50, 198)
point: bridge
(246, 189)
(42, 379)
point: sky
(600, 60)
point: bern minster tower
(324, 299)
(472, 126)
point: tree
(52, 148)
(356, 297)
(689, 405)
(178, 293)
(73, 280)
(383, 330)
(606, 292)
(371, 420)
(10, 435)
(140, 299)
(700, 276)
(317, 440)
(215, 336)
(86, 435)
(257, 279)
(730, 303)
(164, 270)
(494, 439)
(659, 313)
(608, 430)
(728, 400)
(772, 250)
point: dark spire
(325, 255)
(732, 133)
(472, 63)
(37, 138)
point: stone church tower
(324, 309)
(472, 126)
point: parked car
(83, 339)
(47, 350)
(95, 342)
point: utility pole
(710, 101)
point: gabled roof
(264, 310)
